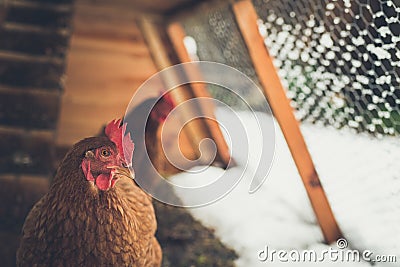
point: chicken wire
(215, 36)
(339, 60)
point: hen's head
(106, 158)
(162, 108)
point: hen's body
(76, 224)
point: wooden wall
(34, 37)
(108, 60)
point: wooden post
(164, 56)
(176, 34)
(246, 17)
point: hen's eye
(105, 153)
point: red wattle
(103, 181)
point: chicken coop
(327, 99)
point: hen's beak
(118, 171)
(124, 163)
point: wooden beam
(246, 17)
(33, 43)
(29, 109)
(17, 69)
(51, 2)
(39, 16)
(161, 54)
(176, 34)
(164, 56)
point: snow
(326, 40)
(379, 52)
(384, 31)
(360, 175)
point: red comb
(168, 100)
(163, 107)
(116, 133)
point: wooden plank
(161, 51)
(34, 43)
(100, 59)
(142, 6)
(51, 5)
(107, 62)
(106, 21)
(32, 28)
(29, 71)
(132, 50)
(164, 56)
(39, 16)
(247, 21)
(53, 2)
(25, 152)
(29, 109)
(176, 33)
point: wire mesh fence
(339, 60)
(217, 38)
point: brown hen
(94, 214)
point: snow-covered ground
(360, 175)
